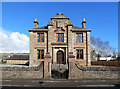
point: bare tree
(93, 48)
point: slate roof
(19, 57)
(75, 27)
(45, 27)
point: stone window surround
(60, 38)
(40, 37)
(40, 54)
(82, 37)
(40, 48)
(76, 53)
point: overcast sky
(18, 17)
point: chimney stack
(83, 23)
(36, 23)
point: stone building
(58, 44)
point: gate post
(47, 66)
(71, 60)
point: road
(61, 83)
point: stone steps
(60, 67)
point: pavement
(13, 65)
(60, 83)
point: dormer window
(59, 24)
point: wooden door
(60, 57)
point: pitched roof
(19, 57)
(45, 27)
(75, 27)
(59, 15)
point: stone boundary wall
(17, 61)
(22, 72)
(106, 63)
(95, 68)
(80, 72)
(94, 72)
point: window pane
(42, 51)
(77, 51)
(81, 53)
(38, 39)
(62, 39)
(77, 39)
(42, 39)
(38, 34)
(38, 54)
(81, 39)
(77, 56)
(81, 34)
(77, 34)
(57, 34)
(81, 56)
(61, 34)
(42, 55)
(58, 39)
(42, 34)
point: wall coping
(96, 68)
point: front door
(60, 57)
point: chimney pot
(36, 23)
(83, 23)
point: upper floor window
(60, 37)
(40, 37)
(79, 37)
(59, 24)
(40, 54)
(79, 54)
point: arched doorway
(60, 57)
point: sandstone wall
(22, 72)
(17, 61)
(78, 72)
(95, 72)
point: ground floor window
(79, 53)
(40, 54)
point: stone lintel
(58, 43)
